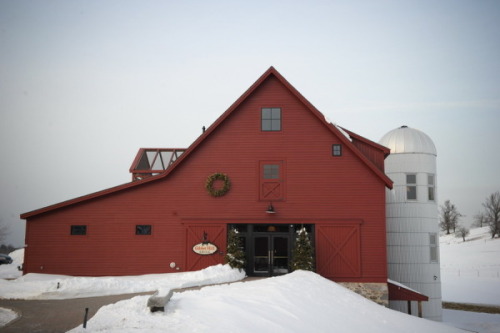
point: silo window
(433, 247)
(411, 187)
(430, 186)
(337, 150)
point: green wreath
(209, 185)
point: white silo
(412, 218)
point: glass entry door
(271, 255)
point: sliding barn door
(195, 234)
(338, 250)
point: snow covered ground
(297, 302)
(470, 273)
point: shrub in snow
(302, 253)
(235, 256)
(462, 232)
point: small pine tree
(235, 257)
(302, 253)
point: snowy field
(297, 302)
(470, 273)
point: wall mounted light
(270, 209)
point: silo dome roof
(408, 140)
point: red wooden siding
(216, 234)
(317, 187)
(338, 250)
(371, 150)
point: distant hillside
(470, 270)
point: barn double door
(271, 254)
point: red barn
(269, 164)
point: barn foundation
(376, 292)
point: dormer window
(271, 119)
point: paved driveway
(41, 316)
(54, 315)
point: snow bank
(297, 302)
(45, 286)
(11, 271)
(6, 316)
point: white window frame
(431, 187)
(411, 186)
(433, 247)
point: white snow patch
(45, 286)
(472, 321)
(6, 316)
(297, 302)
(470, 270)
(11, 271)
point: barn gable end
(151, 225)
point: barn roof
(340, 133)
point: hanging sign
(205, 248)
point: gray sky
(85, 84)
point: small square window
(78, 230)
(411, 192)
(143, 229)
(271, 171)
(271, 119)
(411, 179)
(337, 150)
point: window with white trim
(430, 187)
(411, 186)
(433, 247)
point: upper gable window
(271, 119)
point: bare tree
(449, 217)
(462, 232)
(492, 213)
(479, 220)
